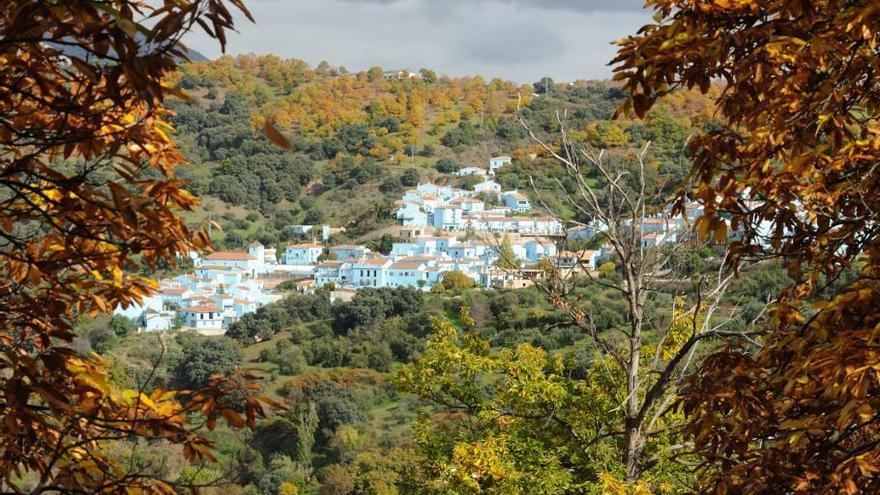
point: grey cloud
(573, 5)
(512, 44)
(520, 40)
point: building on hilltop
(400, 75)
(498, 162)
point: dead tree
(620, 202)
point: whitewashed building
(498, 162)
(302, 254)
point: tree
(89, 183)
(544, 86)
(204, 357)
(506, 257)
(375, 74)
(621, 440)
(796, 148)
(122, 326)
(455, 280)
(427, 75)
(609, 135)
(410, 177)
(446, 165)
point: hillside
(360, 139)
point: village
(441, 229)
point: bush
(291, 361)
(202, 357)
(446, 165)
(410, 177)
(454, 280)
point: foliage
(373, 304)
(271, 319)
(453, 281)
(506, 257)
(525, 426)
(446, 165)
(796, 147)
(204, 357)
(89, 188)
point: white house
(235, 259)
(411, 215)
(498, 162)
(174, 296)
(157, 321)
(472, 171)
(488, 187)
(302, 254)
(400, 249)
(448, 217)
(330, 272)
(258, 251)
(406, 274)
(204, 318)
(546, 226)
(345, 251)
(399, 75)
(370, 272)
(581, 232)
(538, 249)
(468, 205)
(134, 311)
(516, 201)
(218, 274)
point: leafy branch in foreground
(796, 153)
(86, 185)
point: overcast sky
(521, 40)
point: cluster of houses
(419, 259)
(444, 229)
(223, 287)
(484, 209)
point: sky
(519, 40)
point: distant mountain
(75, 51)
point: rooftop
(203, 309)
(229, 256)
(372, 261)
(406, 265)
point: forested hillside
(360, 139)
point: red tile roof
(230, 255)
(203, 309)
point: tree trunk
(634, 445)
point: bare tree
(619, 202)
